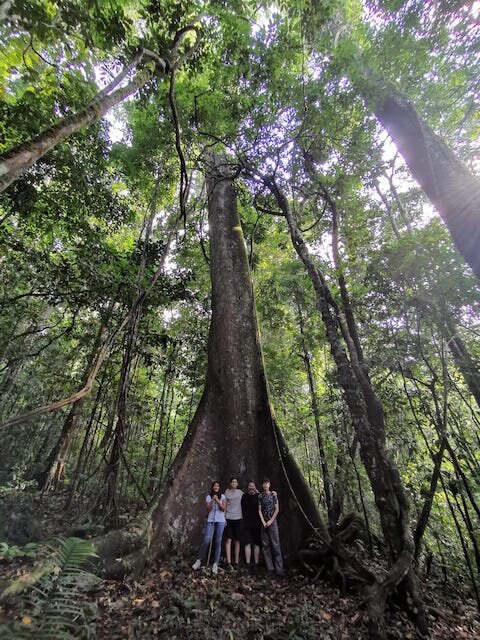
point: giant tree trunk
(452, 189)
(233, 432)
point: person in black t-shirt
(251, 524)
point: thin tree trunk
(428, 502)
(155, 478)
(80, 459)
(18, 160)
(107, 501)
(327, 482)
(466, 554)
(55, 464)
(388, 208)
(166, 462)
(463, 511)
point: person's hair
(266, 480)
(233, 478)
(252, 482)
(212, 492)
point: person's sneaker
(196, 565)
(214, 568)
(230, 566)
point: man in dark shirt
(268, 509)
(251, 524)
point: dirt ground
(171, 601)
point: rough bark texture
(233, 432)
(452, 189)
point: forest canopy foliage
(104, 279)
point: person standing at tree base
(252, 526)
(268, 509)
(234, 519)
(216, 507)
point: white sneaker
(214, 568)
(196, 565)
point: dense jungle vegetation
(346, 134)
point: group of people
(250, 518)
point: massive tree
(69, 251)
(233, 432)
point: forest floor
(171, 601)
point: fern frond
(73, 553)
(58, 602)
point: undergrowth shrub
(54, 601)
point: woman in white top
(216, 507)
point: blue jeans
(212, 529)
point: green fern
(57, 603)
(74, 553)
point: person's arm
(223, 504)
(261, 515)
(210, 503)
(275, 513)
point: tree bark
(233, 431)
(19, 159)
(452, 189)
